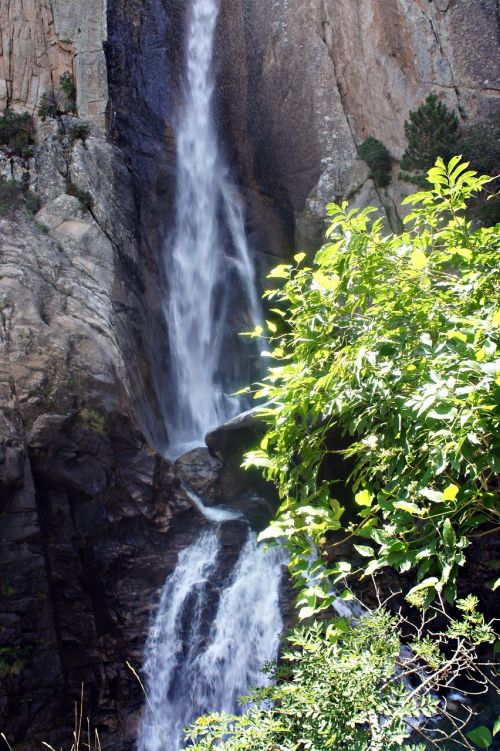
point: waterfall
(214, 629)
(207, 259)
(191, 668)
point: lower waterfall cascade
(192, 667)
(213, 631)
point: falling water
(214, 630)
(207, 259)
(190, 668)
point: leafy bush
(16, 133)
(14, 195)
(378, 159)
(11, 193)
(351, 687)
(390, 341)
(431, 131)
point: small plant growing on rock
(10, 195)
(48, 105)
(432, 132)
(62, 101)
(83, 196)
(378, 159)
(68, 90)
(94, 420)
(79, 132)
(480, 145)
(16, 133)
(14, 194)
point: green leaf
(496, 726)
(364, 550)
(307, 612)
(271, 532)
(432, 495)
(280, 272)
(329, 283)
(426, 584)
(481, 736)
(449, 536)
(299, 257)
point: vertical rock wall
(303, 82)
(42, 39)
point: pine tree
(431, 131)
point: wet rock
(242, 490)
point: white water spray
(207, 258)
(191, 667)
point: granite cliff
(91, 514)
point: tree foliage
(16, 132)
(378, 159)
(431, 131)
(392, 341)
(353, 687)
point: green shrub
(344, 686)
(11, 193)
(14, 195)
(54, 103)
(16, 133)
(391, 341)
(431, 131)
(68, 89)
(378, 159)
(79, 131)
(48, 105)
(83, 196)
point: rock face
(303, 82)
(91, 516)
(42, 39)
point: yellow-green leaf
(410, 508)
(363, 498)
(280, 272)
(456, 335)
(299, 257)
(418, 260)
(327, 282)
(450, 492)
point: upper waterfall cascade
(207, 256)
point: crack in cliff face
(324, 27)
